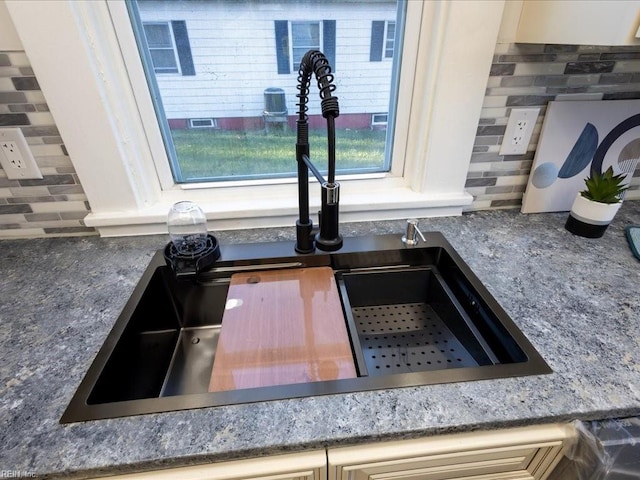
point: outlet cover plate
(520, 126)
(21, 165)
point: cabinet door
(296, 466)
(516, 454)
(581, 22)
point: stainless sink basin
(415, 316)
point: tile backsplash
(57, 204)
(522, 75)
(531, 75)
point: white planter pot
(590, 219)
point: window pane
(164, 61)
(160, 46)
(243, 57)
(157, 35)
(391, 34)
(305, 34)
(305, 37)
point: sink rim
(265, 255)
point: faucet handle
(410, 238)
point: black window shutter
(282, 45)
(377, 41)
(329, 42)
(184, 49)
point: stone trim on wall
(55, 205)
(532, 75)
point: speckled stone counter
(576, 300)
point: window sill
(117, 151)
(275, 206)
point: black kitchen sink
(415, 316)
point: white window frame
(293, 66)
(176, 60)
(105, 115)
(211, 123)
(375, 122)
(386, 39)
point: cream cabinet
(527, 453)
(579, 22)
(296, 466)
(516, 454)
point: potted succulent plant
(594, 208)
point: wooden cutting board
(281, 327)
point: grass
(217, 153)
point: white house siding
(233, 46)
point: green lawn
(216, 153)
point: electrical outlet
(15, 156)
(520, 127)
(11, 151)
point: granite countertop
(576, 300)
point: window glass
(237, 63)
(158, 35)
(160, 45)
(391, 35)
(305, 36)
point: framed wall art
(578, 137)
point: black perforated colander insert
(405, 338)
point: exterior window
(160, 43)
(202, 123)
(390, 39)
(238, 53)
(305, 36)
(383, 34)
(379, 119)
(164, 40)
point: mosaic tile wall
(525, 75)
(522, 75)
(55, 205)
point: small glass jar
(187, 226)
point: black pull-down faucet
(328, 238)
